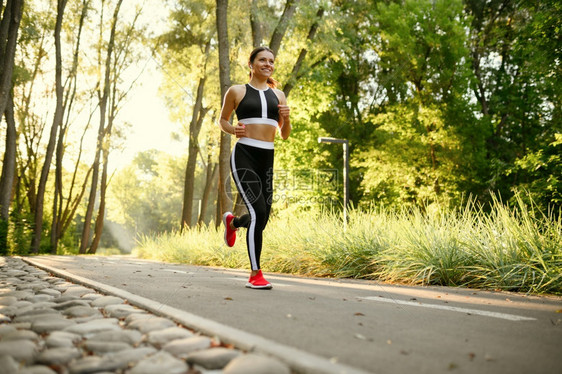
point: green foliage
(541, 173)
(3, 237)
(19, 233)
(421, 48)
(146, 196)
(515, 48)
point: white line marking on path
(178, 271)
(509, 317)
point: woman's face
(263, 64)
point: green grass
(507, 249)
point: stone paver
(254, 364)
(183, 347)
(161, 337)
(49, 325)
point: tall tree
(302, 54)
(185, 52)
(8, 173)
(515, 50)
(199, 113)
(224, 74)
(256, 25)
(282, 25)
(57, 122)
(103, 97)
(59, 211)
(124, 56)
(210, 181)
(9, 27)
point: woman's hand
(284, 112)
(240, 130)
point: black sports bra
(258, 107)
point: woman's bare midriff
(261, 132)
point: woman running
(261, 110)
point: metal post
(345, 181)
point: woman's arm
(284, 119)
(226, 111)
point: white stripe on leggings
(251, 211)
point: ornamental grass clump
(316, 244)
(427, 248)
(515, 249)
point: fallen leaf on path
(359, 336)
(228, 298)
(216, 343)
(359, 314)
(471, 356)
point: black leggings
(252, 170)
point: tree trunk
(298, 65)
(57, 121)
(9, 162)
(73, 201)
(255, 23)
(98, 227)
(101, 134)
(58, 201)
(224, 75)
(187, 208)
(4, 28)
(211, 176)
(281, 28)
(197, 118)
(9, 33)
(8, 37)
(8, 173)
(116, 63)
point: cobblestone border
(298, 361)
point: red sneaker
(229, 234)
(258, 281)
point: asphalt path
(376, 327)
